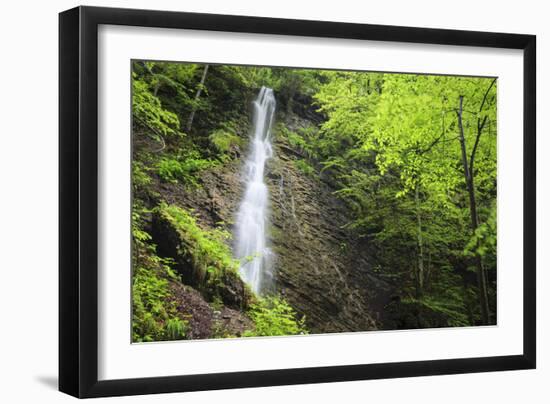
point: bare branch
(480, 126)
(486, 94)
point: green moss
(208, 250)
(224, 141)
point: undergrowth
(209, 253)
(154, 312)
(273, 316)
(183, 169)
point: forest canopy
(410, 161)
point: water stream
(251, 246)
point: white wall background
(28, 200)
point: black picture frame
(78, 201)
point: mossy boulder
(201, 256)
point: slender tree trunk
(420, 246)
(197, 97)
(468, 176)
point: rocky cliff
(320, 268)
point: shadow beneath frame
(48, 381)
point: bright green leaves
(183, 169)
(392, 142)
(387, 143)
(155, 316)
(484, 239)
(148, 110)
(407, 128)
(346, 99)
(208, 250)
(224, 141)
(154, 312)
(273, 316)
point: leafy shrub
(154, 313)
(295, 140)
(304, 167)
(184, 170)
(484, 239)
(303, 140)
(273, 316)
(140, 237)
(140, 178)
(176, 328)
(224, 141)
(434, 312)
(148, 110)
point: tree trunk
(420, 265)
(468, 176)
(197, 97)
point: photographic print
(275, 201)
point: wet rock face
(216, 200)
(320, 268)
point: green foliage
(224, 141)
(185, 169)
(290, 83)
(273, 316)
(208, 250)
(155, 316)
(303, 140)
(176, 328)
(391, 142)
(305, 167)
(140, 237)
(140, 177)
(172, 84)
(484, 239)
(434, 312)
(447, 298)
(226, 97)
(295, 140)
(148, 110)
(216, 304)
(287, 83)
(387, 142)
(154, 312)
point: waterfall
(251, 227)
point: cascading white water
(251, 227)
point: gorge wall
(320, 267)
